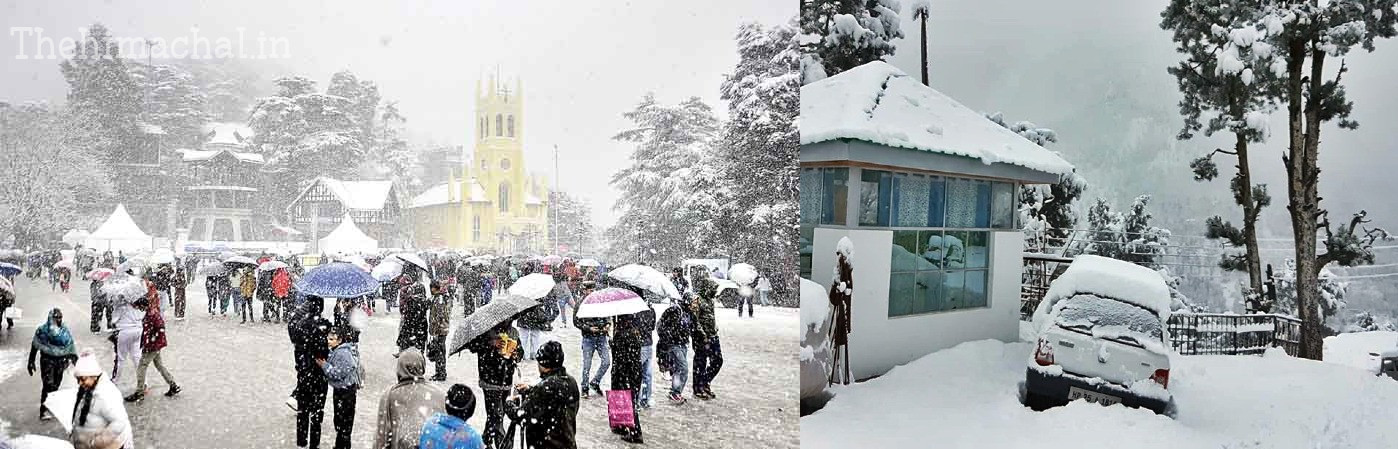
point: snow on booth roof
(360, 195)
(878, 103)
(439, 194)
(1116, 279)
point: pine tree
(53, 172)
(1228, 84)
(1306, 34)
(103, 96)
(363, 97)
(1047, 211)
(175, 102)
(839, 35)
(757, 157)
(575, 227)
(305, 134)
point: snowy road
(236, 377)
(965, 397)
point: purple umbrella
(609, 302)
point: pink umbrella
(610, 302)
(100, 274)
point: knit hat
(551, 355)
(87, 364)
(461, 402)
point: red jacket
(281, 283)
(153, 330)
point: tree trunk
(1301, 210)
(1250, 213)
(924, 51)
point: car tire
(1035, 402)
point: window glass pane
(835, 196)
(961, 203)
(929, 293)
(977, 244)
(805, 249)
(1002, 205)
(929, 247)
(874, 198)
(910, 193)
(936, 201)
(904, 254)
(953, 282)
(982, 204)
(900, 294)
(948, 251)
(975, 288)
(223, 230)
(810, 195)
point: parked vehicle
(1388, 363)
(1102, 338)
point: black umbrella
(499, 310)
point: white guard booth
(926, 190)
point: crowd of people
(417, 411)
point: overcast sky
(1094, 70)
(583, 62)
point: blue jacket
(443, 431)
(342, 367)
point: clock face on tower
(504, 164)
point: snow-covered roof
(238, 188)
(1116, 279)
(361, 195)
(878, 103)
(347, 238)
(204, 155)
(228, 133)
(439, 194)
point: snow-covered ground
(966, 397)
(235, 378)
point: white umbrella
(589, 263)
(240, 259)
(724, 284)
(133, 263)
(533, 286)
(271, 265)
(358, 261)
(743, 274)
(387, 270)
(130, 287)
(32, 441)
(412, 259)
(211, 268)
(645, 278)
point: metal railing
(1233, 334)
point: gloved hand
(31, 369)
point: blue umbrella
(337, 280)
(9, 269)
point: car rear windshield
(1109, 318)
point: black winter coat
(586, 324)
(676, 324)
(495, 369)
(626, 352)
(540, 317)
(551, 409)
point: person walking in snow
(406, 406)
(536, 322)
(281, 293)
(98, 412)
(53, 343)
(594, 341)
(7, 300)
(413, 303)
(764, 287)
(129, 322)
(497, 354)
(548, 410)
(177, 286)
(439, 326)
(152, 342)
(247, 287)
(708, 352)
(676, 325)
(344, 374)
(310, 344)
(449, 430)
(627, 366)
(469, 278)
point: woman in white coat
(128, 335)
(99, 412)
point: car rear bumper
(1055, 387)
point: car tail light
(1043, 354)
(1162, 377)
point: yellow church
(491, 204)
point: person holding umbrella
(7, 300)
(54, 346)
(412, 329)
(497, 354)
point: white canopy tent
(119, 233)
(348, 239)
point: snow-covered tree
(574, 217)
(174, 101)
(305, 134)
(1125, 236)
(363, 97)
(1047, 212)
(1228, 84)
(1332, 291)
(52, 172)
(838, 35)
(1306, 33)
(103, 96)
(668, 141)
(756, 191)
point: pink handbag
(620, 412)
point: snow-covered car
(1387, 363)
(1102, 338)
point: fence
(1233, 334)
